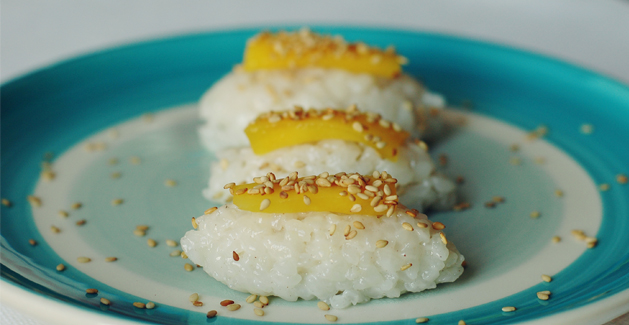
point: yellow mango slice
(274, 130)
(285, 50)
(373, 195)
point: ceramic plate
(119, 126)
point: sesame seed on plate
(323, 306)
(150, 305)
(622, 179)
(264, 300)
(6, 203)
(421, 320)
(235, 256)
(331, 318)
(546, 278)
(382, 243)
(194, 223)
(91, 291)
(197, 303)
(151, 242)
(233, 307)
(251, 299)
(175, 253)
(83, 259)
(211, 313)
(170, 182)
(171, 243)
(34, 201)
(61, 267)
(604, 187)
(81, 222)
(508, 309)
(188, 267)
(139, 233)
(226, 302)
(63, 214)
(115, 202)
(111, 259)
(556, 239)
(77, 205)
(407, 226)
(351, 235)
(105, 301)
(140, 305)
(406, 267)
(258, 311)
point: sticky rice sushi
(315, 141)
(343, 239)
(311, 70)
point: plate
(118, 125)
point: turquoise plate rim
(617, 93)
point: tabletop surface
(37, 33)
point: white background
(35, 33)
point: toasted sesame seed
(578, 234)
(558, 193)
(34, 201)
(175, 253)
(357, 127)
(226, 302)
(258, 304)
(422, 225)
(421, 320)
(116, 202)
(235, 256)
(258, 311)
(197, 303)
(91, 291)
(113, 161)
(33, 242)
(188, 267)
(353, 189)
(81, 222)
(306, 200)
(331, 318)
(76, 205)
(151, 242)
(61, 267)
(233, 307)
(542, 296)
(170, 182)
(382, 243)
(362, 196)
(622, 179)
(139, 232)
(391, 210)
(356, 208)
(347, 229)
(332, 229)
(407, 226)
(546, 278)
(251, 299)
(444, 240)
(380, 208)
(490, 204)
(194, 223)
(592, 244)
(105, 301)
(6, 203)
(171, 243)
(63, 214)
(323, 306)
(556, 239)
(358, 225)
(438, 226)
(535, 214)
(140, 305)
(546, 292)
(411, 213)
(508, 309)
(498, 199)
(343, 193)
(111, 259)
(265, 204)
(55, 229)
(351, 235)
(83, 259)
(183, 255)
(211, 313)
(264, 300)
(406, 267)
(604, 187)
(371, 188)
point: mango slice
(373, 195)
(300, 49)
(274, 130)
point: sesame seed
(407, 226)
(462, 322)
(391, 210)
(331, 318)
(194, 223)
(135, 160)
(170, 182)
(139, 232)
(175, 253)
(83, 259)
(508, 309)
(353, 189)
(211, 313)
(351, 235)
(358, 225)
(258, 311)
(587, 128)
(578, 234)
(622, 179)
(382, 243)
(438, 226)
(63, 214)
(498, 199)
(490, 204)
(422, 225)
(363, 196)
(380, 208)
(113, 161)
(226, 302)
(55, 229)
(32, 242)
(116, 175)
(61, 267)
(384, 123)
(542, 296)
(556, 239)
(535, 214)
(76, 205)
(356, 208)
(188, 267)
(150, 305)
(183, 255)
(265, 204)
(347, 229)
(444, 240)
(151, 242)
(306, 200)
(558, 193)
(251, 299)
(323, 306)
(343, 193)
(117, 202)
(171, 243)
(105, 301)
(111, 259)
(197, 303)
(592, 244)
(421, 320)
(235, 256)
(603, 187)
(142, 227)
(515, 161)
(546, 278)
(91, 291)
(264, 300)
(233, 307)
(357, 127)
(210, 210)
(380, 144)
(81, 222)
(140, 305)
(371, 188)
(258, 304)
(332, 229)
(34, 201)
(241, 191)
(406, 267)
